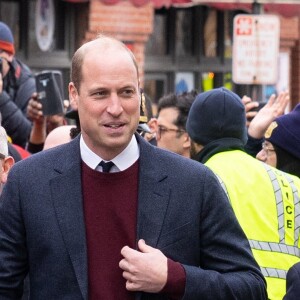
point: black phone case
(50, 92)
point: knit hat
(284, 132)
(217, 114)
(6, 39)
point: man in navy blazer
(154, 226)
(293, 283)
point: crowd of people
(201, 201)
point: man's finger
(132, 286)
(143, 247)
(125, 250)
(123, 264)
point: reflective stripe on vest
(223, 185)
(279, 202)
(275, 273)
(296, 207)
(275, 247)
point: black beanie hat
(285, 132)
(217, 114)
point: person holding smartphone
(17, 85)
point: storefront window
(155, 87)
(184, 32)
(210, 34)
(198, 49)
(157, 43)
(228, 34)
(10, 14)
(184, 82)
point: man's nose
(115, 105)
(261, 155)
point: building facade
(179, 45)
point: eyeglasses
(2, 156)
(266, 148)
(163, 129)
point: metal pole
(256, 89)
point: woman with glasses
(281, 148)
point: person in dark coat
(17, 85)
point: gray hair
(3, 142)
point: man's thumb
(143, 247)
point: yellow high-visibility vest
(267, 206)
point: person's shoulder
(24, 68)
(296, 267)
(160, 155)
(177, 164)
(56, 156)
(23, 74)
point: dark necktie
(106, 166)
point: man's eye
(128, 93)
(100, 94)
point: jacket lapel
(153, 198)
(67, 200)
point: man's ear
(6, 165)
(152, 124)
(187, 141)
(73, 96)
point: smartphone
(49, 86)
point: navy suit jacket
(293, 283)
(182, 210)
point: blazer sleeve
(227, 268)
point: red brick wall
(124, 21)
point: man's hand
(146, 270)
(249, 105)
(34, 109)
(274, 108)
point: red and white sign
(255, 49)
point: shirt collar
(122, 161)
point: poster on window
(44, 23)
(184, 82)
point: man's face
(168, 135)
(109, 100)
(267, 154)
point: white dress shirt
(122, 161)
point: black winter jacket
(18, 86)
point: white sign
(44, 23)
(255, 49)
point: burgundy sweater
(110, 211)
